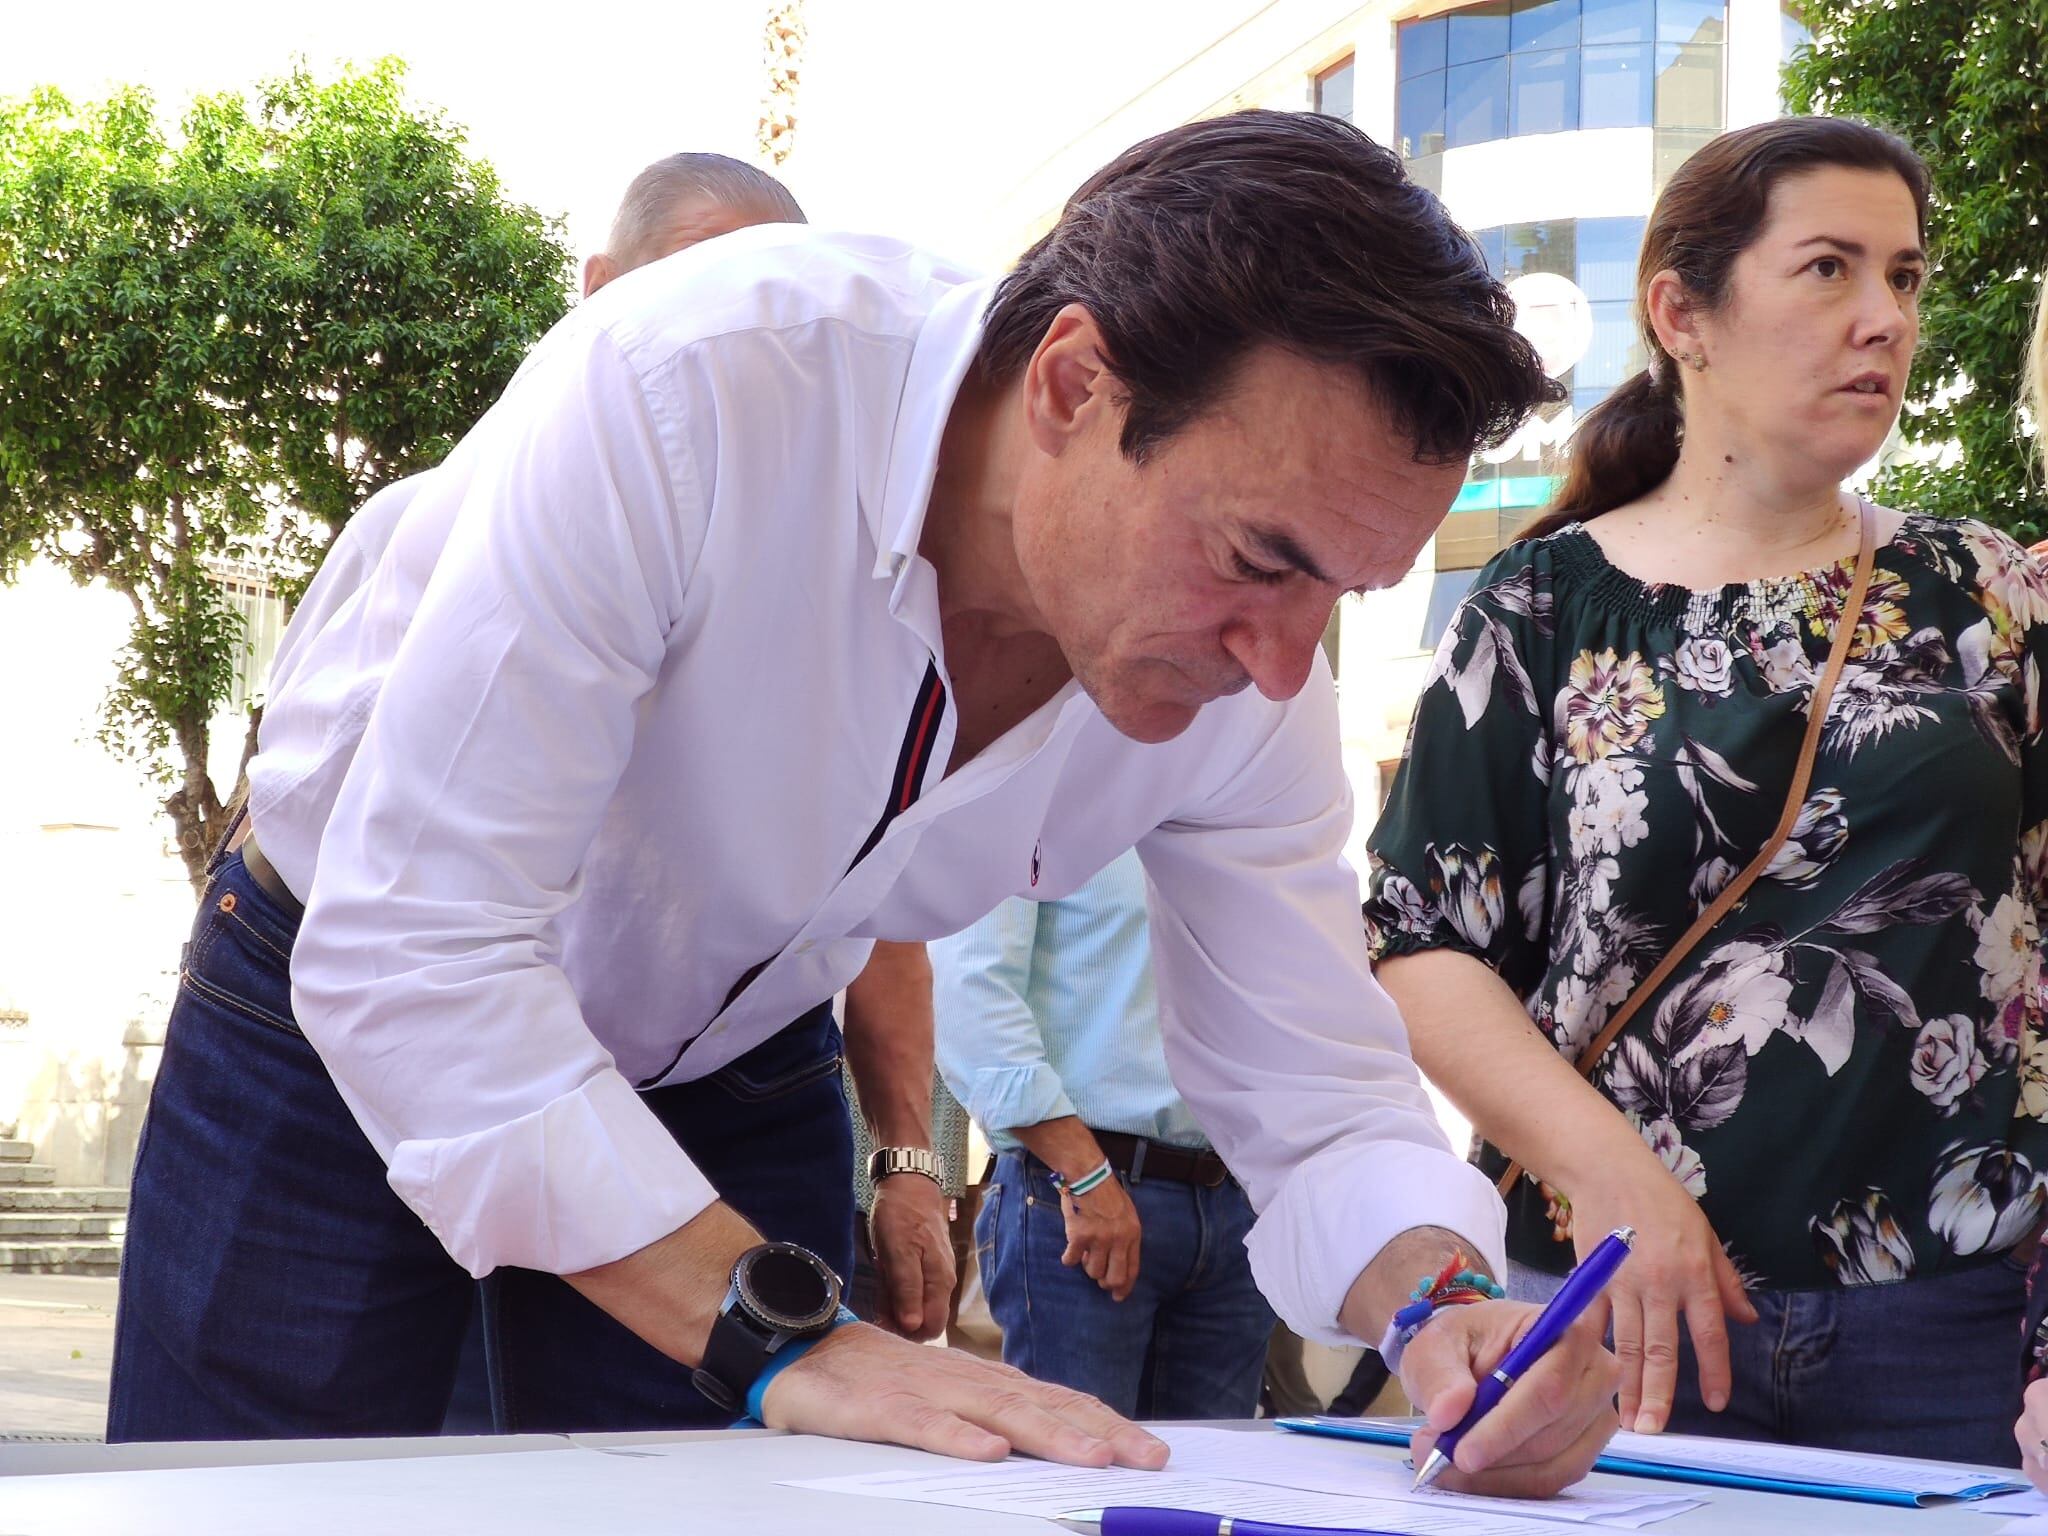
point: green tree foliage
(1966, 84)
(215, 345)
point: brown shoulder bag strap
(1795, 797)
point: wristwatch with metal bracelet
(782, 1298)
(886, 1161)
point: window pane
(1689, 86)
(1692, 21)
(1446, 590)
(1545, 247)
(1422, 115)
(1617, 21)
(1615, 89)
(1421, 46)
(1669, 149)
(1616, 352)
(1540, 24)
(1477, 32)
(1490, 243)
(1583, 400)
(1333, 91)
(1607, 258)
(1476, 106)
(1545, 91)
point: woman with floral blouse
(2032, 1430)
(1829, 1124)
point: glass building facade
(1507, 69)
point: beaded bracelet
(1093, 1179)
(1452, 1286)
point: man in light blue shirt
(1111, 1241)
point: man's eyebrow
(1284, 549)
(1854, 248)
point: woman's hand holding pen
(1678, 1268)
(1546, 1432)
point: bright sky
(915, 116)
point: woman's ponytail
(1624, 448)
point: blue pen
(1136, 1520)
(1579, 1289)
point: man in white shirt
(804, 592)
(549, 1347)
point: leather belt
(262, 871)
(1138, 1159)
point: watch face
(788, 1286)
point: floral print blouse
(1849, 1072)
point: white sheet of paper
(2032, 1525)
(1018, 1487)
(1279, 1459)
(1753, 1458)
(2009, 1504)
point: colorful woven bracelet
(1452, 1286)
(1093, 1179)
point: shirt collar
(939, 361)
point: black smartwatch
(779, 1293)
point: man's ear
(597, 271)
(1067, 380)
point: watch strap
(885, 1162)
(784, 1358)
(734, 1355)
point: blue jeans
(1190, 1340)
(1925, 1368)
(273, 1285)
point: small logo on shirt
(1036, 849)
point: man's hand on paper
(1545, 1433)
(2032, 1434)
(1678, 1268)
(914, 1254)
(859, 1383)
(1104, 1236)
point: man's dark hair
(1287, 229)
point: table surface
(717, 1481)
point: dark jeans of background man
(273, 1285)
(1927, 1368)
(1189, 1342)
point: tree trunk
(194, 806)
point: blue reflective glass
(1490, 243)
(1692, 21)
(1614, 88)
(1583, 400)
(1617, 21)
(1608, 249)
(1538, 24)
(1421, 122)
(1333, 91)
(1551, 246)
(1688, 86)
(1545, 91)
(1477, 32)
(1421, 46)
(1615, 353)
(1476, 102)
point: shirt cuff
(1335, 1212)
(1004, 1098)
(585, 1179)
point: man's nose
(1276, 646)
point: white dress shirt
(617, 697)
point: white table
(717, 1481)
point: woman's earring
(1696, 361)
